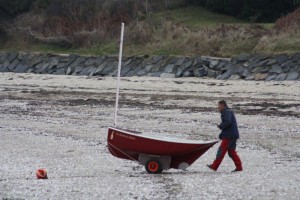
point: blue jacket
(229, 125)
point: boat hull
(130, 145)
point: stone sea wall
(249, 67)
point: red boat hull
(130, 145)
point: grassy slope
(198, 24)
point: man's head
(222, 105)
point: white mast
(119, 74)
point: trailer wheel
(153, 167)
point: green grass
(104, 49)
(196, 17)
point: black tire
(153, 166)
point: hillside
(179, 31)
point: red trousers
(227, 145)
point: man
(228, 137)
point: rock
(186, 65)
(60, 71)
(3, 58)
(260, 76)
(180, 61)
(271, 77)
(13, 65)
(22, 67)
(3, 67)
(11, 57)
(234, 77)
(262, 69)
(156, 59)
(242, 57)
(53, 62)
(211, 73)
(213, 64)
(148, 68)
(141, 72)
(276, 69)
(281, 77)
(226, 75)
(167, 75)
(199, 72)
(169, 68)
(281, 58)
(245, 73)
(292, 76)
(271, 62)
(179, 72)
(295, 57)
(69, 70)
(155, 74)
(250, 78)
(187, 74)
(238, 70)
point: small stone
(260, 76)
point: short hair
(223, 102)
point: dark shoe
(237, 170)
(210, 167)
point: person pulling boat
(228, 136)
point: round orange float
(41, 174)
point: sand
(60, 123)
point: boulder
(276, 69)
(271, 77)
(3, 58)
(155, 74)
(281, 77)
(13, 65)
(234, 77)
(213, 64)
(250, 78)
(156, 59)
(295, 57)
(187, 74)
(3, 68)
(148, 68)
(167, 75)
(186, 65)
(180, 61)
(169, 68)
(281, 58)
(242, 57)
(211, 73)
(11, 57)
(141, 72)
(292, 76)
(22, 67)
(245, 73)
(199, 72)
(226, 75)
(260, 76)
(271, 62)
(179, 72)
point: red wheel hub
(153, 166)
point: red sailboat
(155, 153)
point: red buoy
(41, 174)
